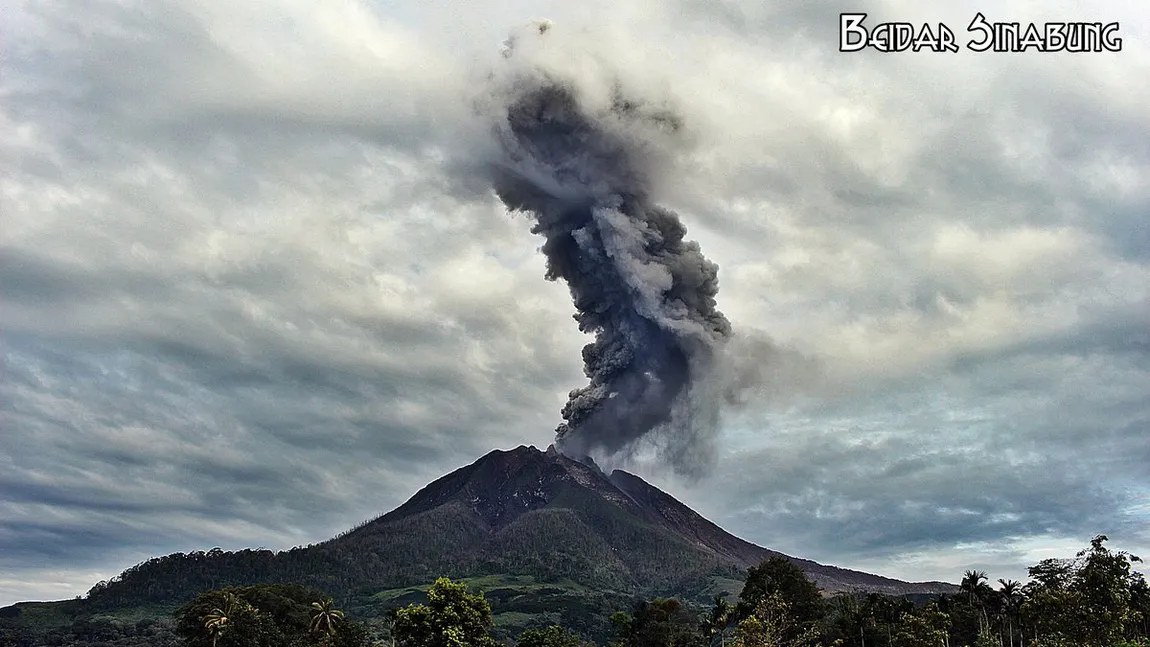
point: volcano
(544, 536)
(574, 520)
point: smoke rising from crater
(585, 175)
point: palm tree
(215, 623)
(1012, 600)
(880, 608)
(975, 586)
(856, 614)
(216, 620)
(719, 621)
(325, 617)
(972, 583)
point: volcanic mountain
(539, 532)
(570, 519)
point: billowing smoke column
(643, 291)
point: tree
(772, 624)
(987, 639)
(974, 585)
(1011, 592)
(1085, 601)
(779, 575)
(923, 628)
(658, 623)
(452, 617)
(718, 621)
(216, 620)
(1139, 606)
(852, 617)
(553, 636)
(277, 615)
(325, 618)
(1103, 584)
(350, 634)
(227, 619)
(891, 610)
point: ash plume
(584, 173)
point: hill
(538, 532)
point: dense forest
(1094, 599)
(448, 541)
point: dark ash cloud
(646, 293)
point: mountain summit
(574, 521)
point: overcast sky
(252, 292)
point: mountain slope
(651, 540)
(528, 512)
(689, 523)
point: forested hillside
(1094, 599)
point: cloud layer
(253, 289)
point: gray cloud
(253, 291)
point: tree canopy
(452, 617)
(1093, 599)
(780, 577)
(267, 615)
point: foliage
(658, 623)
(925, 628)
(325, 618)
(265, 616)
(781, 578)
(772, 623)
(1094, 599)
(100, 631)
(864, 619)
(719, 622)
(552, 636)
(1089, 600)
(452, 617)
(987, 639)
(591, 542)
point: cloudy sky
(252, 290)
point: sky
(254, 290)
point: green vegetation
(778, 596)
(1094, 599)
(552, 636)
(452, 617)
(658, 623)
(589, 549)
(277, 615)
(771, 622)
